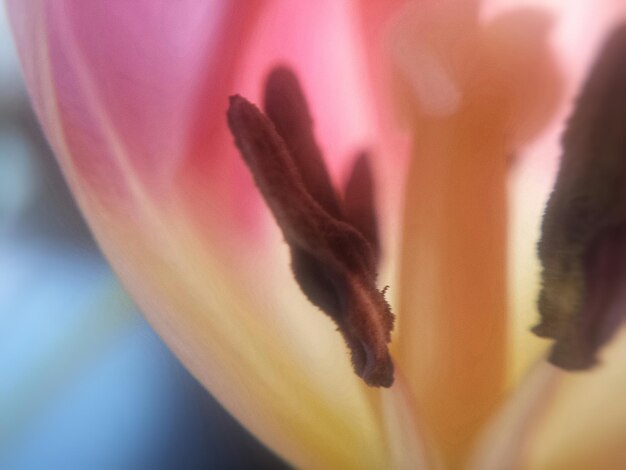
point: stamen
(583, 244)
(359, 201)
(286, 107)
(332, 261)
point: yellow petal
(272, 361)
(501, 444)
(585, 424)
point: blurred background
(84, 381)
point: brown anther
(359, 201)
(583, 244)
(286, 107)
(332, 261)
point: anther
(332, 260)
(583, 244)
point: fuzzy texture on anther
(583, 245)
(332, 258)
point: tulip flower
(459, 106)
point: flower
(132, 97)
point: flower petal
(110, 90)
(502, 442)
(132, 98)
(585, 423)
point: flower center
(333, 242)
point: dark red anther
(332, 260)
(359, 201)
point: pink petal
(319, 41)
(133, 99)
(115, 85)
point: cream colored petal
(585, 425)
(529, 186)
(501, 444)
(268, 356)
(407, 439)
